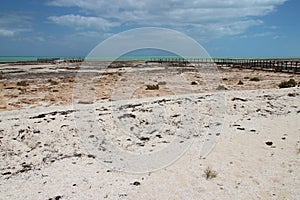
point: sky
(225, 28)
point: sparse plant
(255, 79)
(22, 83)
(240, 83)
(52, 82)
(152, 87)
(221, 87)
(1, 75)
(209, 173)
(287, 84)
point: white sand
(44, 157)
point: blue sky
(223, 27)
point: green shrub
(22, 83)
(255, 79)
(52, 82)
(240, 83)
(287, 84)
(152, 87)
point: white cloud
(80, 22)
(13, 24)
(222, 17)
(6, 33)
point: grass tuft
(287, 84)
(22, 83)
(255, 79)
(209, 173)
(152, 87)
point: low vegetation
(209, 173)
(52, 82)
(240, 83)
(22, 83)
(255, 79)
(287, 84)
(152, 87)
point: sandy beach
(239, 135)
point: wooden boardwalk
(290, 65)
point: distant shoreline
(32, 59)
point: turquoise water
(34, 58)
(30, 58)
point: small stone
(136, 183)
(269, 143)
(194, 83)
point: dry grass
(209, 173)
(152, 87)
(255, 79)
(287, 84)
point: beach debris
(194, 83)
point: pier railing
(291, 65)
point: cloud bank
(204, 17)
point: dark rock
(292, 94)
(38, 116)
(269, 143)
(91, 156)
(239, 99)
(144, 139)
(6, 173)
(127, 116)
(136, 183)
